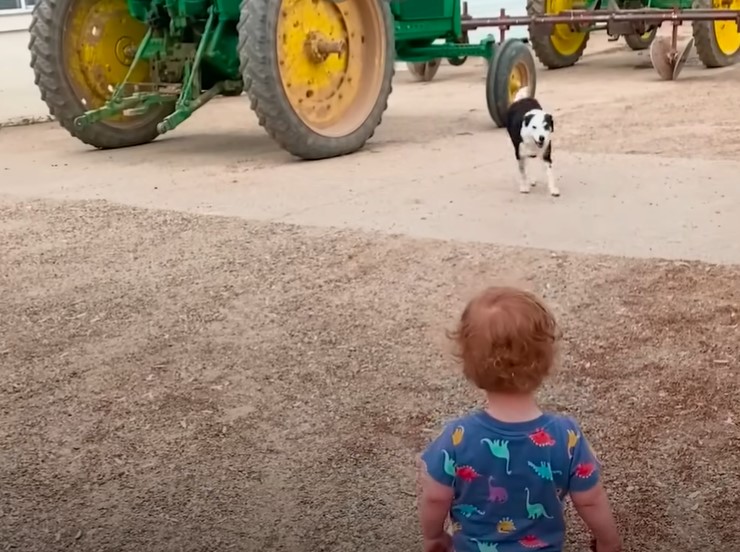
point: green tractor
(717, 42)
(318, 73)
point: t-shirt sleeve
(585, 469)
(439, 456)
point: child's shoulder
(562, 420)
(479, 417)
(477, 422)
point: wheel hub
(318, 47)
(324, 51)
(518, 78)
(125, 51)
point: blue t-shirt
(510, 479)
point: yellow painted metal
(518, 78)
(100, 42)
(331, 57)
(564, 41)
(726, 32)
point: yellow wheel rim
(100, 43)
(331, 57)
(728, 38)
(563, 39)
(518, 78)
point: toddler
(501, 473)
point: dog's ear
(550, 122)
(528, 118)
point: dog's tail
(522, 93)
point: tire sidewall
(543, 46)
(511, 52)
(64, 102)
(705, 40)
(331, 146)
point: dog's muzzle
(541, 141)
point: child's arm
(433, 501)
(435, 489)
(593, 507)
(588, 493)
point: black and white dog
(530, 129)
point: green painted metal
(636, 4)
(432, 29)
(193, 46)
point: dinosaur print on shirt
(536, 510)
(500, 449)
(466, 473)
(467, 510)
(486, 546)
(542, 438)
(496, 493)
(457, 435)
(509, 480)
(544, 470)
(449, 464)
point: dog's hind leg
(524, 184)
(551, 186)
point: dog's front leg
(523, 180)
(551, 186)
(554, 190)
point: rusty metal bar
(576, 17)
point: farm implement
(117, 73)
(559, 30)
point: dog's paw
(523, 189)
(533, 183)
(555, 192)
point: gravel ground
(175, 382)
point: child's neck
(512, 408)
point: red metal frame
(578, 19)
(617, 21)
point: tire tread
(542, 44)
(257, 53)
(46, 36)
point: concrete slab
(436, 168)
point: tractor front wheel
(82, 49)
(717, 42)
(563, 47)
(318, 72)
(511, 69)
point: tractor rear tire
(312, 107)
(717, 43)
(511, 68)
(640, 42)
(75, 57)
(562, 47)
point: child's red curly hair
(507, 340)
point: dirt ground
(174, 381)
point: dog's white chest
(528, 149)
